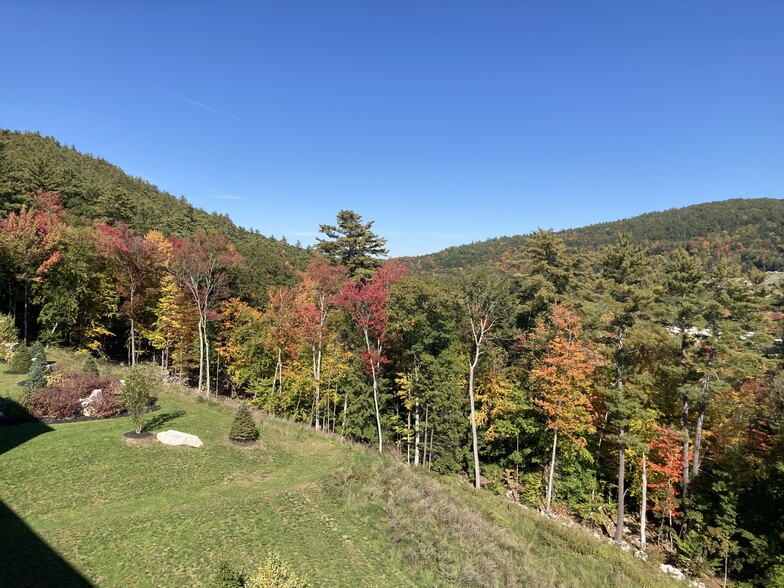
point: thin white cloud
(205, 107)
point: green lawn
(336, 512)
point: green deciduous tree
(138, 393)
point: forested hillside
(634, 382)
(749, 230)
(92, 189)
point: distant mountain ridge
(750, 228)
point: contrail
(205, 107)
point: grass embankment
(336, 512)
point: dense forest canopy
(628, 370)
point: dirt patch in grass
(143, 438)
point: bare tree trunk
(685, 422)
(621, 489)
(345, 409)
(375, 392)
(316, 350)
(133, 342)
(408, 439)
(696, 459)
(416, 431)
(201, 352)
(430, 455)
(206, 355)
(644, 499)
(471, 369)
(552, 472)
(217, 374)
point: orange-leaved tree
(563, 382)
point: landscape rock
(672, 571)
(640, 554)
(86, 402)
(172, 437)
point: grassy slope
(159, 516)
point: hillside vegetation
(92, 189)
(751, 230)
(335, 511)
(637, 384)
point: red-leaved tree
(29, 241)
(366, 302)
(136, 264)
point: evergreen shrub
(91, 366)
(22, 359)
(38, 351)
(225, 576)
(36, 377)
(243, 428)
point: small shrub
(244, 427)
(55, 402)
(225, 576)
(105, 405)
(86, 382)
(61, 399)
(22, 359)
(8, 336)
(273, 573)
(137, 394)
(90, 365)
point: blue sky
(444, 122)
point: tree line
(640, 392)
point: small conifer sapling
(244, 428)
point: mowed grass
(336, 512)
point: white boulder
(172, 437)
(672, 571)
(86, 402)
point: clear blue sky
(445, 122)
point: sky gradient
(444, 122)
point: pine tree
(352, 244)
(244, 427)
(37, 376)
(38, 352)
(624, 273)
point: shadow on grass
(25, 559)
(159, 420)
